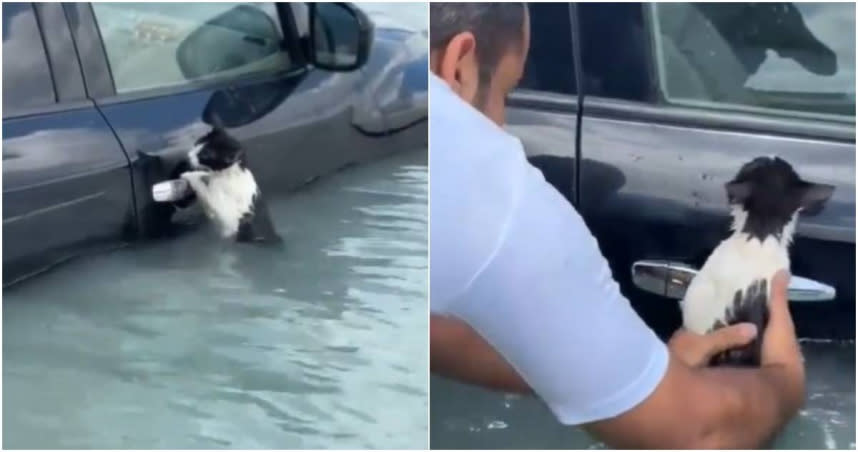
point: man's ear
(738, 192)
(458, 65)
(813, 197)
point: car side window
(27, 80)
(614, 51)
(550, 65)
(786, 58)
(158, 45)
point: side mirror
(340, 36)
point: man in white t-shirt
(522, 299)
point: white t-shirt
(511, 258)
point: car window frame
(655, 109)
(571, 33)
(106, 93)
(56, 105)
(54, 28)
(567, 103)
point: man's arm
(691, 407)
(706, 409)
(719, 408)
(458, 352)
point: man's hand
(721, 407)
(781, 354)
(696, 350)
(779, 344)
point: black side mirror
(340, 36)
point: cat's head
(767, 194)
(215, 151)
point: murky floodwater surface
(466, 417)
(196, 343)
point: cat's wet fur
(734, 284)
(227, 189)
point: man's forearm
(757, 404)
(460, 353)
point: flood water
(196, 343)
(466, 417)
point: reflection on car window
(550, 65)
(26, 74)
(785, 57)
(154, 45)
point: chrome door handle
(804, 289)
(665, 278)
(671, 279)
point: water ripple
(466, 417)
(211, 345)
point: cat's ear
(737, 192)
(813, 197)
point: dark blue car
(101, 101)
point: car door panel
(671, 205)
(393, 95)
(312, 132)
(307, 133)
(66, 188)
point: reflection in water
(465, 417)
(196, 343)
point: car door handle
(671, 279)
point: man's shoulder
(477, 172)
(470, 152)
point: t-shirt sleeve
(546, 300)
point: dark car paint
(650, 186)
(65, 184)
(297, 126)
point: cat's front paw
(196, 178)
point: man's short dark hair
(496, 27)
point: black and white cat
(227, 190)
(734, 284)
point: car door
(677, 98)
(165, 73)
(66, 182)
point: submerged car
(102, 101)
(640, 113)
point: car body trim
(53, 207)
(717, 119)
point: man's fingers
(730, 336)
(780, 285)
(779, 301)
